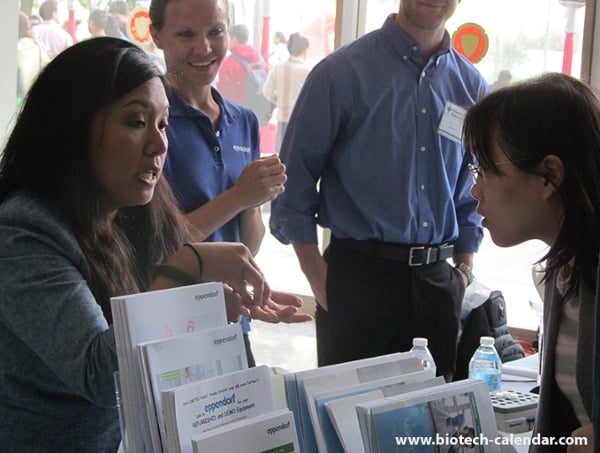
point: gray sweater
(57, 352)
(555, 415)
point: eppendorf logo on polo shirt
(241, 149)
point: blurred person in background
(504, 78)
(31, 56)
(232, 75)
(34, 20)
(119, 9)
(97, 23)
(49, 32)
(100, 23)
(280, 51)
(285, 81)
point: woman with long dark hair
(84, 216)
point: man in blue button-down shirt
(366, 158)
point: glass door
(525, 37)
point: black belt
(416, 255)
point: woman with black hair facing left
(537, 148)
(85, 215)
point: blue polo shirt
(202, 162)
(363, 153)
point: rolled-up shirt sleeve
(313, 126)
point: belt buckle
(411, 256)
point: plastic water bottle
(486, 365)
(421, 351)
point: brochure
(274, 432)
(184, 359)
(151, 316)
(434, 419)
(199, 407)
(360, 371)
(337, 409)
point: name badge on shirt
(452, 122)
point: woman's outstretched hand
(278, 307)
(246, 291)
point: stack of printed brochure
(274, 432)
(183, 374)
(184, 360)
(185, 387)
(229, 401)
(457, 416)
(388, 404)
